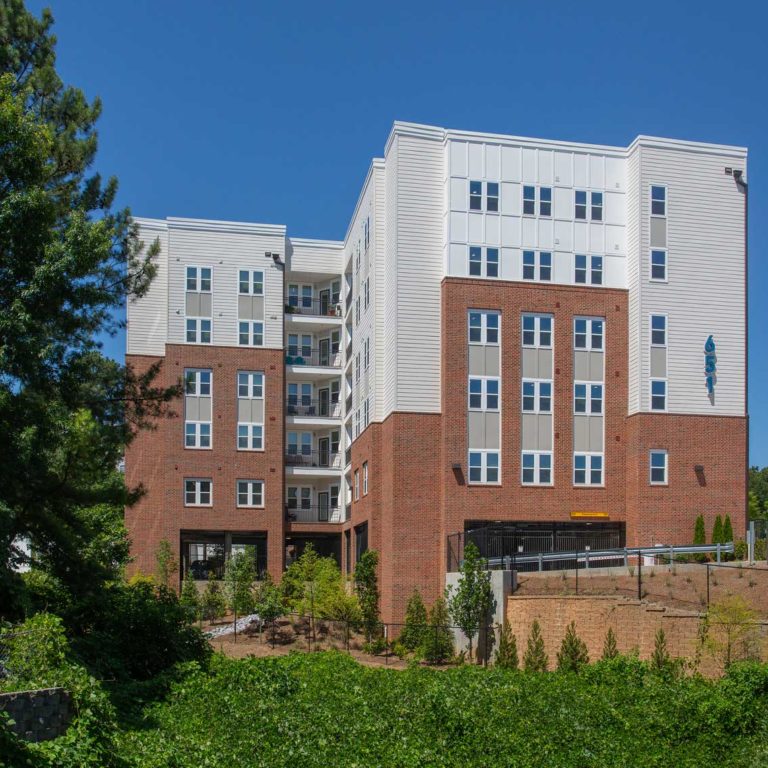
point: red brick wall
(159, 461)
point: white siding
(315, 256)
(633, 278)
(148, 317)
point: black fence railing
(324, 408)
(322, 307)
(314, 514)
(305, 356)
(295, 457)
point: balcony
(305, 364)
(323, 514)
(323, 307)
(313, 409)
(322, 459)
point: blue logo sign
(710, 364)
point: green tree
(367, 589)
(699, 531)
(437, 645)
(268, 604)
(213, 604)
(572, 655)
(471, 600)
(756, 511)
(535, 659)
(727, 529)
(660, 660)
(68, 262)
(239, 577)
(190, 597)
(165, 563)
(415, 622)
(506, 653)
(610, 649)
(758, 485)
(733, 631)
(717, 530)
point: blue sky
(271, 111)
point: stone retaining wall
(38, 715)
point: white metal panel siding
(419, 251)
(633, 278)
(315, 256)
(147, 317)
(226, 251)
(705, 292)
(378, 278)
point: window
(580, 207)
(658, 395)
(658, 330)
(357, 368)
(300, 394)
(357, 484)
(251, 283)
(537, 331)
(197, 434)
(483, 467)
(587, 398)
(537, 265)
(299, 346)
(367, 232)
(251, 333)
(198, 493)
(250, 437)
(491, 196)
(357, 311)
(588, 469)
(366, 413)
(365, 478)
(483, 393)
(366, 354)
(250, 493)
(250, 385)
(537, 396)
(483, 262)
(597, 206)
(483, 327)
(299, 498)
(659, 265)
(537, 468)
(529, 201)
(588, 333)
(198, 330)
(357, 423)
(589, 269)
(299, 443)
(199, 279)
(366, 293)
(197, 382)
(658, 201)
(545, 201)
(657, 462)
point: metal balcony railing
(321, 408)
(298, 305)
(306, 356)
(314, 514)
(295, 457)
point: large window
(198, 330)
(657, 461)
(199, 279)
(197, 382)
(250, 493)
(589, 269)
(587, 398)
(537, 396)
(250, 385)
(483, 262)
(537, 331)
(197, 434)
(483, 327)
(537, 265)
(659, 265)
(658, 395)
(587, 469)
(484, 467)
(592, 201)
(658, 201)
(658, 330)
(299, 443)
(487, 191)
(250, 436)
(588, 333)
(251, 282)
(536, 468)
(530, 196)
(365, 478)
(483, 393)
(251, 333)
(198, 493)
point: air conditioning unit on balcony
(338, 310)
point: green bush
(535, 659)
(412, 635)
(572, 655)
(437, 644)
(506, 653)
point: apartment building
(514, 333)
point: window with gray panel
(198, 407)
(198, 300)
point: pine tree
(535, 659)
(190, 598)
(610, 650)
(572, 655)
(660, 660)
(415, 622)
(717, 531)
(699, 531)
(469, 602)
(437, 646)
(367, 588)
(213, 604)
(506, 653)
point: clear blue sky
(271, 111)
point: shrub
(572, 655)
(717, 530)
(165, 564)
(268, 604)
(213, 605)
(506, 653)
(740, 549)
(190, 598)
(412, 635)
(610, 649)
(733, 632)
(239, 577)
(437, 646)
(660, 660)
(535, 659)
(367, 589)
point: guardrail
(312, 459)
(322, 408)
(320, 357)
(314, 514)
(316, 307)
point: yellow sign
(589, 514)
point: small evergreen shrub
(506, 653)
(535, 658)
(572, 655)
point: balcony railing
(295, 457)
(321, 408)
(306, 356)
(314, 514)
(316, 307)
(348, 457)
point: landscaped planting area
(324, 709)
